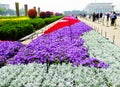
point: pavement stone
(108, 32)
(27, 39)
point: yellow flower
(14, 19)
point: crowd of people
(101, 17)
(112, 16)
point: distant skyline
(58, 5)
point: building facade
(99, 7)
(6, 6)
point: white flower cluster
(103, 49)
(65, 75)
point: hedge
(14, 30)
(52, 19)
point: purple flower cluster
(63, 45)
(8, 49)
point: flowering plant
(60, 45)
(63, 45)
(66, 21)
(34, 75)
(8, 49)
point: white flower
(35, 75)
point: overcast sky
(58, 5)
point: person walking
(103, 17)
(113, 18)
(107, 19)
(108, 16)
(94, 16)
(97, 17)
(101, 14)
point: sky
(58, 5)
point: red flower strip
(58, 25)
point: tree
(22, 12)
(3, 11)
(11, 12)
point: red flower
(61, 24)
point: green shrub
(23, 30)
(14, 30)
(50, 20)
(5, 32)
(37, 23)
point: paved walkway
(108, 32)
(29, 38)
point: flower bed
(17, 29)
(55, 47)
(2, 41)
(67, 21)
(35, 75)
(103, 49)
(63, 45)
(7, 50)
(2, 19)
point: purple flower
(8, 49)
(62, 45)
